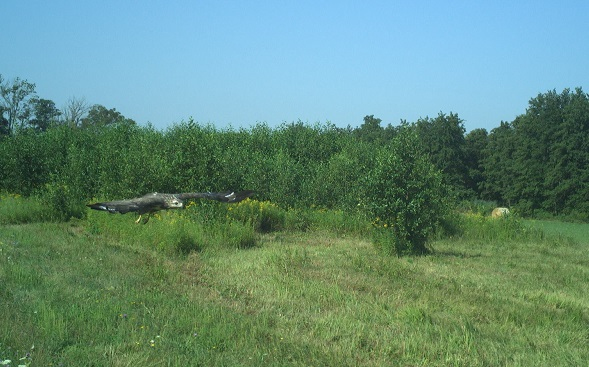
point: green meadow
(362, 246)
(209, 286)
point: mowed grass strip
(312, 298)
(576, 231)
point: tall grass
(565, 230)
(203, 286)
(479, 227)
(173, 232)
(87, 296)
(209, 225)
(15, 209)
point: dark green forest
(537, 164)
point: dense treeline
(538, 163)
(294, 165)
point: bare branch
(75, 111)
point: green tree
(532, 139)
(26, 162)
(3, 122)
(99, 115)
(406, 195)
(552, 152)
(255, 167)
(370, 131)
(45, 113)
(443, 139)
(475, 143)
(567, 183)
(337, 182)
(498, 166)
(192, 154)
(539, 161)
(16, 95)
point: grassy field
(107, 292)
(576, 231)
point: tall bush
(405, 195)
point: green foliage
(479, 207)
(175, 232)
(443, 139)
(499, 170)
(15, 100)
(26, 164)
(538, 163)
(371, 132)
(99, 115)
(62, 203)
(15, 209)
(405, 193)
(285, 179)
(192, 154)
(338, 182)
(178, 291)
(45, 114)
(296, 299)
(339, 222)
(262, 216)
(478, 227)
(236, 235)
(184, 237)
(475, 144)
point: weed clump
(263, 216)
(60, 201)
(475, 226)
(16, 209)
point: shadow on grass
(454, 253)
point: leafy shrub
(298, 219)
(263, 216)
(25, 162)
(204, 212)
(61, 202)
(577, 216)
(450, 226)
(405, 193)
(336, 182)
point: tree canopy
(537, 164)
(540, 161)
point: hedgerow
(291, 168)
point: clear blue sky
(236, 63)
